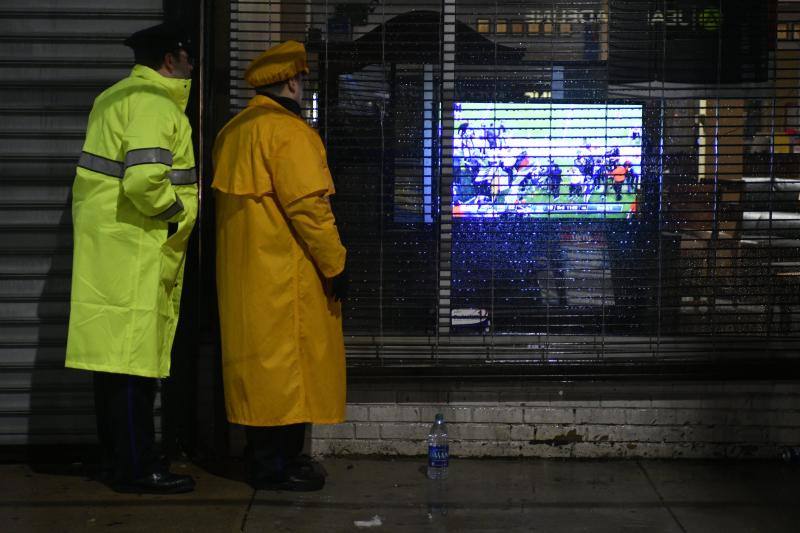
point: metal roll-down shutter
(55, 57)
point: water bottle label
(438, 456)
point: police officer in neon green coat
(134, 204)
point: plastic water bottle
(791, 455)
(438, 450)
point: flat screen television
(546, 159)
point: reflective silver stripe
(171, 211)
(182, 176)
(142, 156)
(109, 167)
(95, 163)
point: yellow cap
(279, 63)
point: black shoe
(157, 483)
(298, 478)
(306, 461)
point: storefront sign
(689, 41)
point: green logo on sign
(709, 19)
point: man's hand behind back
(340, 285)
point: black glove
(339, 286)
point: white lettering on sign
(708, 19)
(566, 16)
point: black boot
(298, 477)
(156, 483)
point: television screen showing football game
(547, 160)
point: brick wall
(666, 420)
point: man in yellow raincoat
(280, 275)
(134, 203)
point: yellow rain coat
(134, 203)
(282, 347)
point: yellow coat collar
(260, 100)
(177, 88)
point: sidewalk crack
(247, 511)
(660, 497)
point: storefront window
(563, 180)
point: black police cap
(162, 38)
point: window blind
(545, 181)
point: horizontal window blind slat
(491, 187)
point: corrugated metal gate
(55, 57)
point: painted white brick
(699, 417)
(357, 413)
(598, 450)
(640, 433)
(626, 404)
(344, 447)
(394, 413)
(525, 432)
(666, 417)
(501, 414)
(480, 431)
(558, 433)
(367, 431)
(367, 447)
(693, 420)
(647, 417)
(678, 403)
(507, 449)
(406, 431)
(547, 451)
(680, 435)
(574, 403)
(406, 448)
(331, 447)
(647, 449)
(600, 434)
(599, 416)
(549, 415)
(335, 431)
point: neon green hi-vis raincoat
(134, 203)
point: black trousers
(125, 427)
(270, 450)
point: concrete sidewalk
(393, 495)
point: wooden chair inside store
(770, 247)
(703, 220)
(738, 254)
